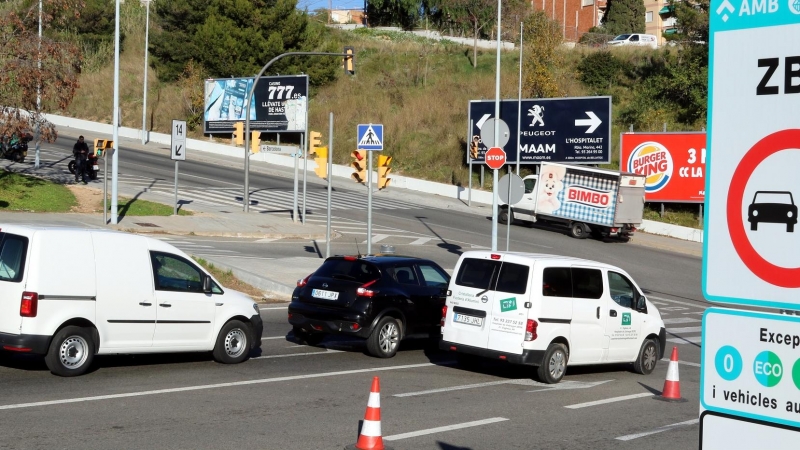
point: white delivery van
(70, 294)
(549, 311)
(647, 40)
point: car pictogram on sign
(772, 207)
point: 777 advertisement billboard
(674, 164)
(279, 104)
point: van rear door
(508, 314)
(13, 255)
(472, 297)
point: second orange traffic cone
(672, 385)
(370, 436)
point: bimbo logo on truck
(654, 161)
(589, 197)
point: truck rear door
(630, 200)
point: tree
(21, 76)
(233, 38)
(473, 15)
(624, 16)
(404, 13)
(542, 56)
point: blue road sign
(369, 137)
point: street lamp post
(144, 100)
(39, 90)
(496, 128)
(115, 125)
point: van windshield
(12, 257)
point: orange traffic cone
(672, 385)
(370, 437)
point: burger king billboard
(674, 164)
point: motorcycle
(91, 167)
(17, 150)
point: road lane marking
(609, 400)
(327, 350)
(683, 362)
(273, 307)
(213, 386)
(421, 241)
(684, 330)
(631, 437)
(680, 320)
(677, 302)
(272, 337)
(470, 386)
(685, 340)
(458, 426)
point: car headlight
(255, 306)
(755, 212)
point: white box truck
(586, 200)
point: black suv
(383, 299)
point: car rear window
(513, 278)
(345, 269)
(477, 273)
(13, 249)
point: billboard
(674, 164)
(279, 104)
(574, 130)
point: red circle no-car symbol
(771, 273)
(495, 158)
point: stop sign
(495, 158)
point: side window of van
(173, 273)
(557, 282)
(513, 278)
(12, 257)
(622, 290)
(477, 273)
(587, 283)
(634, 38)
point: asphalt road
(299, 397)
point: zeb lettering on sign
(790, 75)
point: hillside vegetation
(418, 88)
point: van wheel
(307, 338)
(554, 364)
(579, 230)
(648, 356)
(233, 343)
(385, 338)
(71, 352)
(505, 217)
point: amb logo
(626, 319)
(654, 161)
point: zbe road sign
(752, 250)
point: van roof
(29, 230)
(538, 257)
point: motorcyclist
(81, 152)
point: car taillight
(362, 290)
(530, 330)
(444, 313)
(304, 281)
(29, 304)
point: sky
(337, 4)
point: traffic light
(321, 158)
(473, 147)
(359, 166)
(238, 133)
(350, 61)
(255, 141)
(101, 145)
(383, 171)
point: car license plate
(95, 167)
(325, 295)
(469, 320)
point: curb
(259, 282)
(314, 236)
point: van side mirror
(207, 284)
(641, 303)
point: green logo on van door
(626, 319)
(508, 304)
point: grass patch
(139, 207)
(686, 215)
(24, 193)
(229, 280)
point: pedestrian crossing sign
(370, 137)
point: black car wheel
(385, 338)
(233, 343)
(578, 230)
(71, 167)
(71, 352)
(505, 217)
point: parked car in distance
(70, 294)
(772, 207)
(647, 40)
(383, 299)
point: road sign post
(751, 254)
(511, 190)
(178, 152)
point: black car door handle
(167, 305)
(145, 304)
(598, 312)
(612, 313)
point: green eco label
(768, 369)
(626, 318)
(508, 304)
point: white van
(647, 40)
(70, 294)
(549, 311)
